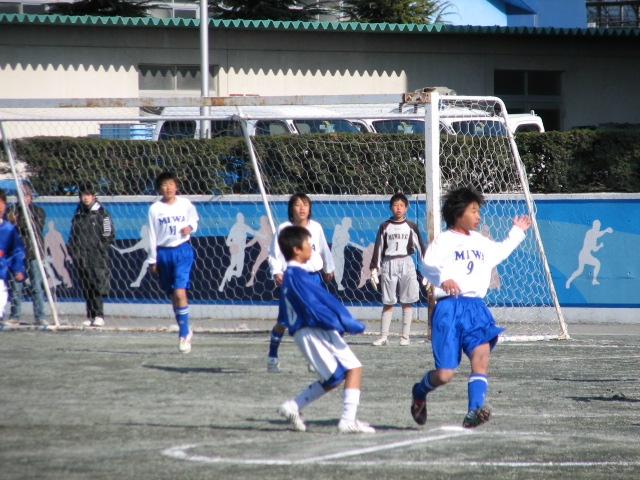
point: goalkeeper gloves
(375, 280)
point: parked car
(263, 120)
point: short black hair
(164, 176)
(86, 187)
(456, 202)
(294, 198)
(3, 195)
(399, 196)
(290, 238)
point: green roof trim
(22, 19)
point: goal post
(240, 182)
(474, 146)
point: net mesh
(349, 177)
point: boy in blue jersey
(172, 220)
(11, 254)
(458, 263)
(317, 320)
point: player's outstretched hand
(375, 280)
(523, 222)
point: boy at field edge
(321, 262)
(317, 321)
(396, 241)
(172, 220)
(11, 254)
(458, 263)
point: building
(571, 77)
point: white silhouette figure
(590, 244)
(367, 255)
(143, 243)
(339, 242)
(56, 247)
(236, 241)
(263, 238)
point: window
(537, 90)
(173, 77)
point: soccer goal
(468, 142)
(240, 167)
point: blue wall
(568, 227)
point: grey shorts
(399, 281)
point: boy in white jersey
(320, 264)
(396, 241)
(458, 263)
(172, 220)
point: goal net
(239, 174)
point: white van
(386, 118)
(263, 120)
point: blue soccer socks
(274, 344)
(478, 384)
(182, 317)
(423, 387)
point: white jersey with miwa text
(467, 259)
(396, 239)
(166, 221)
(321, 258)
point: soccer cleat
(477, 417)
(184, 346)
(345, 426)
(98, 322)
(380, 342)
(404, 342)
(418, 408)
(289, 410)
(273, 365)
(12, 321)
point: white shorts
(399, 281)
(327, 352)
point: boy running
(317, 321)
(458, 263)
(172, 220)
(397, 239)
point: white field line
(181, 452)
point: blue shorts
(174, 267)
(460, 324)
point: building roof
(150, 22)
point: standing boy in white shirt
(172, 220)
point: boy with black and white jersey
(392, 266)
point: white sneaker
(380, 342)
(273, 365)
(88, 322)
(185, 343)
(404, 342)
(98, 322)
(289, 410)
(345, 426)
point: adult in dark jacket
(32, 269)
(92, 232)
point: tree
(267, 10)
(103, 8)
(395, 11)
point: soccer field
(125, 405)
